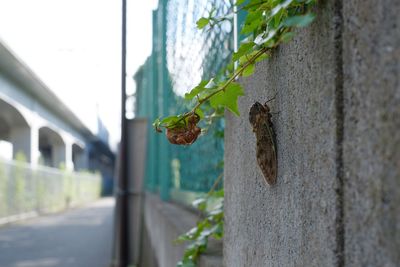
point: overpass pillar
(21, 140)
(35, 153)
(59, 155)
(69, 164)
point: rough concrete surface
(337, 198)
(371, 132)
(294, 222)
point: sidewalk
(77, 238)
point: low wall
(337, 121)
(163, 223)
(27, 191)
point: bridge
(36, 123)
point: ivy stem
(217, 181)
(223, 87)
(234, 76)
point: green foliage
(201, 23)
(228, 98)
(267, 24)
(62, 166)
(20, 157)
(25, 189)
(211, 226)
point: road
(81, 237)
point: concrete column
(59, 155)
(35, 153)
(79, 158)
(69, 165)
(336, 201)
(84, 159)
(21, 140)
(371, 141)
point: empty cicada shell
(184, 135)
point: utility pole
(121, 231)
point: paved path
(77, 238)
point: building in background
(38, 127)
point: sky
(74, 46)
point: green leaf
(239, 2)
(170, 119)
(252, 16)
(199, 112)
(243, 49)
(299, 21)
(219, 193)
(279, 7)
(244, 59)
(202, 22)
(197, 90)
(262, 57)
(249, 28)
(276, 20)
(217, 230)
(228, 98)
(249, 70)
(173, 121)
(201, 242)
(261, 39)
(253, 21)
(200, 204)
(157, 124)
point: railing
(27, 191)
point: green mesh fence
(26, 190)
(182, 56)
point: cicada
(260, 118)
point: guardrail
(27, 191)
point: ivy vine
(267, 24)
(211, 226)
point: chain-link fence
(27, 190)
(182, 56)
(193, 54)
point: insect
(185, 135)
(260, 119)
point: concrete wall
(371, 141)
(163, 223)
(337, 198)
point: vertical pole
(121, 243)
(164, 96)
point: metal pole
(121, 252)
